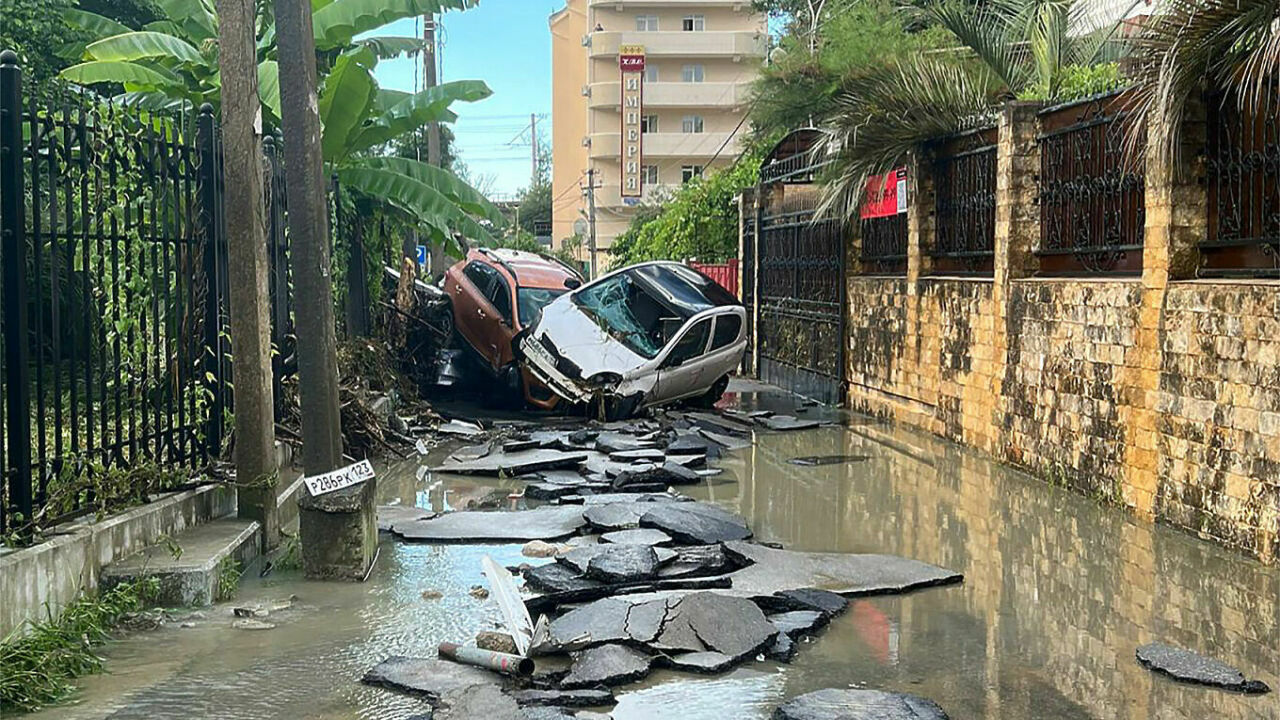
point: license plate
(535, 350)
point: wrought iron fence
(1243, 167)
(884, 244)
(1092, 202)
(964, 183)
(114, 299)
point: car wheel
(713, 395)
(507, 392)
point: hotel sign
(631, 69)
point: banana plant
(172, 64)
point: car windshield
(643, 308)
(532, 301)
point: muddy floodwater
(1058, 592)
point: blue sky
(507, 44)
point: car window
(627, 312)
(531, 301)
(690, 345)
(727, 329)
(481, 276)
(500, 295)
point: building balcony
(608, 146)
(711, 43)
(608, 95)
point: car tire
(712, 395)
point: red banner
(886, 195)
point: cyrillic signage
(631, 71)
(886, 195)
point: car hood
(580, 340)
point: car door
(470, 298)
(681, 372)
(501, 328)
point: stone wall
(1160, 391)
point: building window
(650, 72)
(648, 123)
(646, 23)
(695, 23)
(693, 73)
(649, 174)
(691, 124)
(689, 172)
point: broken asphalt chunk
(783, 649)
(390, 515)
(696, 523)
(848, 704)
(787, 423)
(623, 563)
(1192, 667)
(514, 464)
(586, 697)
(430, 678)
(615, 516)
(797, 623)
(641, 536)
(707, 662)
(613, 442)
(607, 665)
(828, 603)
(767, 571)
(544, 523)
(667, 474)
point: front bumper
(540, 364)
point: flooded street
(1058, 592)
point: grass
(37, 668)
(228, 578)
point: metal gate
(800, 272)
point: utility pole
(591, 220)
(338, 529)
(533, 133)
(242, 162)
(430, 58)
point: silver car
(648, 334)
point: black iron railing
(1243, 172)
(964, 183)
(114, 298)
(884, 244)
(1092, 202)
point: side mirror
(572, 283)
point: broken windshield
(531, 301)
(627, 312)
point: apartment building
(699, 58)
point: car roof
(638, 269)
(530, 270)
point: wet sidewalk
(1058, 593)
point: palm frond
(1232, 45)
(883, 117)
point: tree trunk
(309, 230)
(255, 457)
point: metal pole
(213, 359)
(533, 135)
(591, 220)
(13, 249)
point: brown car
(496, 294)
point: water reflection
(1058, 592)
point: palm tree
(1007, 49)
(172, 64)
(1229, 45)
